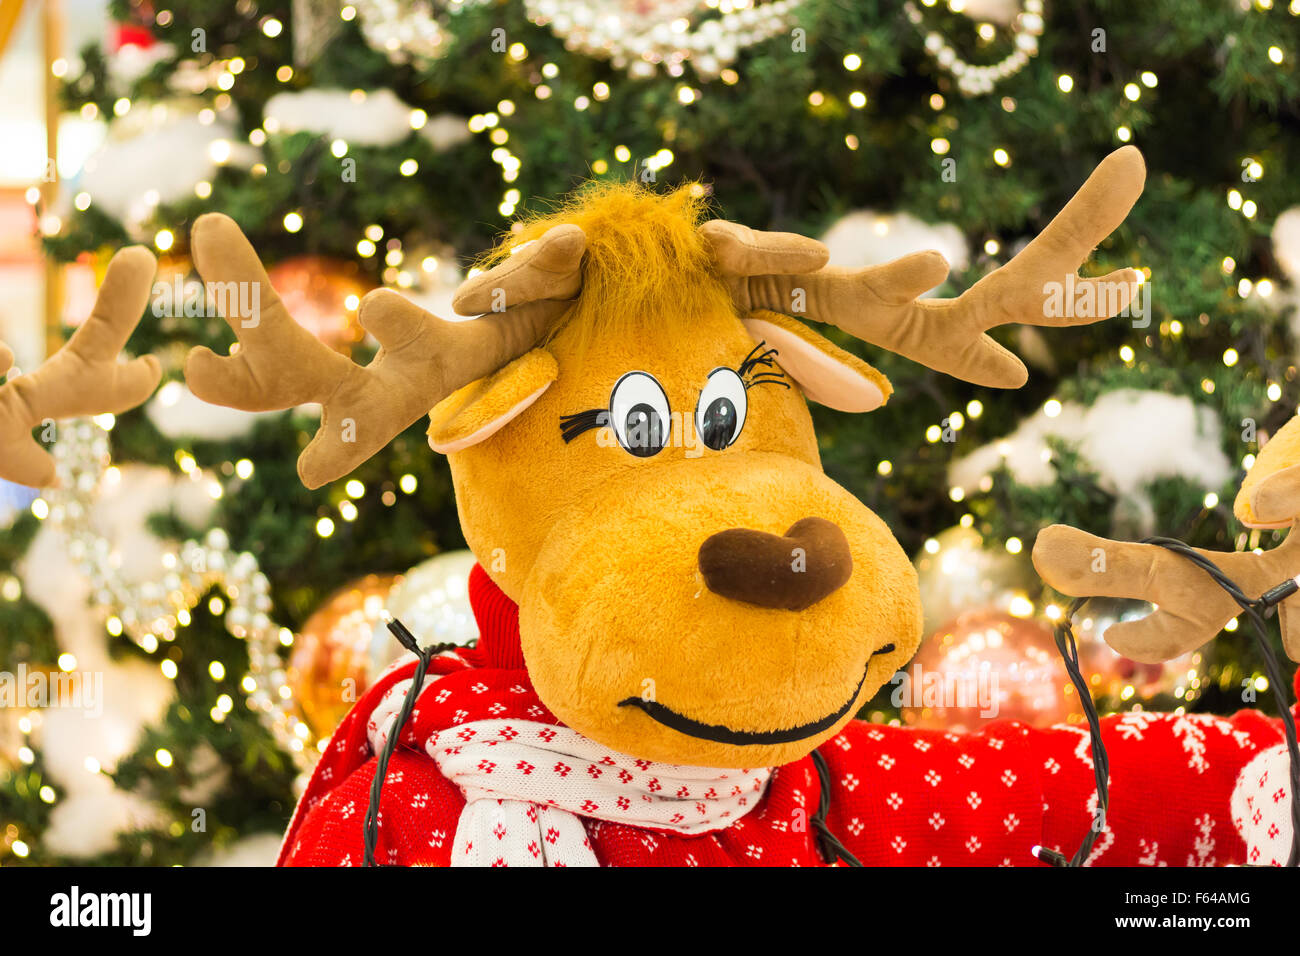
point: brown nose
(791, 571)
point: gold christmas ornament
(329, 668)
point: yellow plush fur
(600, 548)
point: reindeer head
(633, 458)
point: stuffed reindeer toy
(679, 612)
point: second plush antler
(1190, 607)
(880, 304)
(279, 364)
(84, 377)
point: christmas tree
(367, 144)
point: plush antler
(547, 268)
(84, 377)
(879, 304)
(1191, 607)
(423, 358)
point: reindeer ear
(478, 411)
(827, 374)
(1270, 492)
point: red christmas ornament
(322, 294)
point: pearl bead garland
(640, 38)
(407, 31)
(974, 80)
(152, 611)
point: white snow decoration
(1130, 437)
(179, 413)
(866, 238)
(445, 131)
(260, 849)
(1286, 242)
(131, 62)
(376, 118)
(134, 171)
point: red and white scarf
(526, 782)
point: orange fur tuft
(646, 267)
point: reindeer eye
(638, 413)
(720, 414)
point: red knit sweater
(899, 796)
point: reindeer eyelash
(762, 368)
(571, 426)
(758, 368)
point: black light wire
(828, 844)
(1256, 611)
(425, 655)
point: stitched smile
(725, 735)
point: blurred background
(232, 614)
